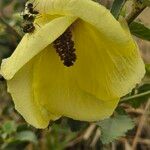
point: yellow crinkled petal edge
(32, 44)
(21, 89)
(90, 12)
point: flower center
(64, 46)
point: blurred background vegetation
(129, 126)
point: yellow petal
(90, 12)
(32, 44)
(103, 68)
(56, 89)
(21, 90)
(107, 68)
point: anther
(64, 46)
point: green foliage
(114, 128)
(139, 30)
(119, 110)
(9, 127)
(12, 136)
(59, 137)
(28, 136)
(142, 95)
(147, 67)
(76, 125)
(5, 3)
(146, 3)
(16, 135)
(117, 7)
(138, 101)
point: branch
(140, 127)
(10, 28)
(135, 96)
(137, 9)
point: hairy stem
(138, 7)
(11, 29)
(135, 96)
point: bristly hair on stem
(10, 28)
(138, 7)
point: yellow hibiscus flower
(107, 67)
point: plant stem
(135, 96)
(138, 7)
(10, 28)
(140, 126)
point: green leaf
(136, 102)
(59, 132)
(147, 67)
(139, 30)
(13, 144)
(119, 110)
(76, 125)
(142, 95)
(146, 3)
(6, 2)
(115, 127)
(28, 136)
(23, 127)
(9, 127)
(117, 7)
